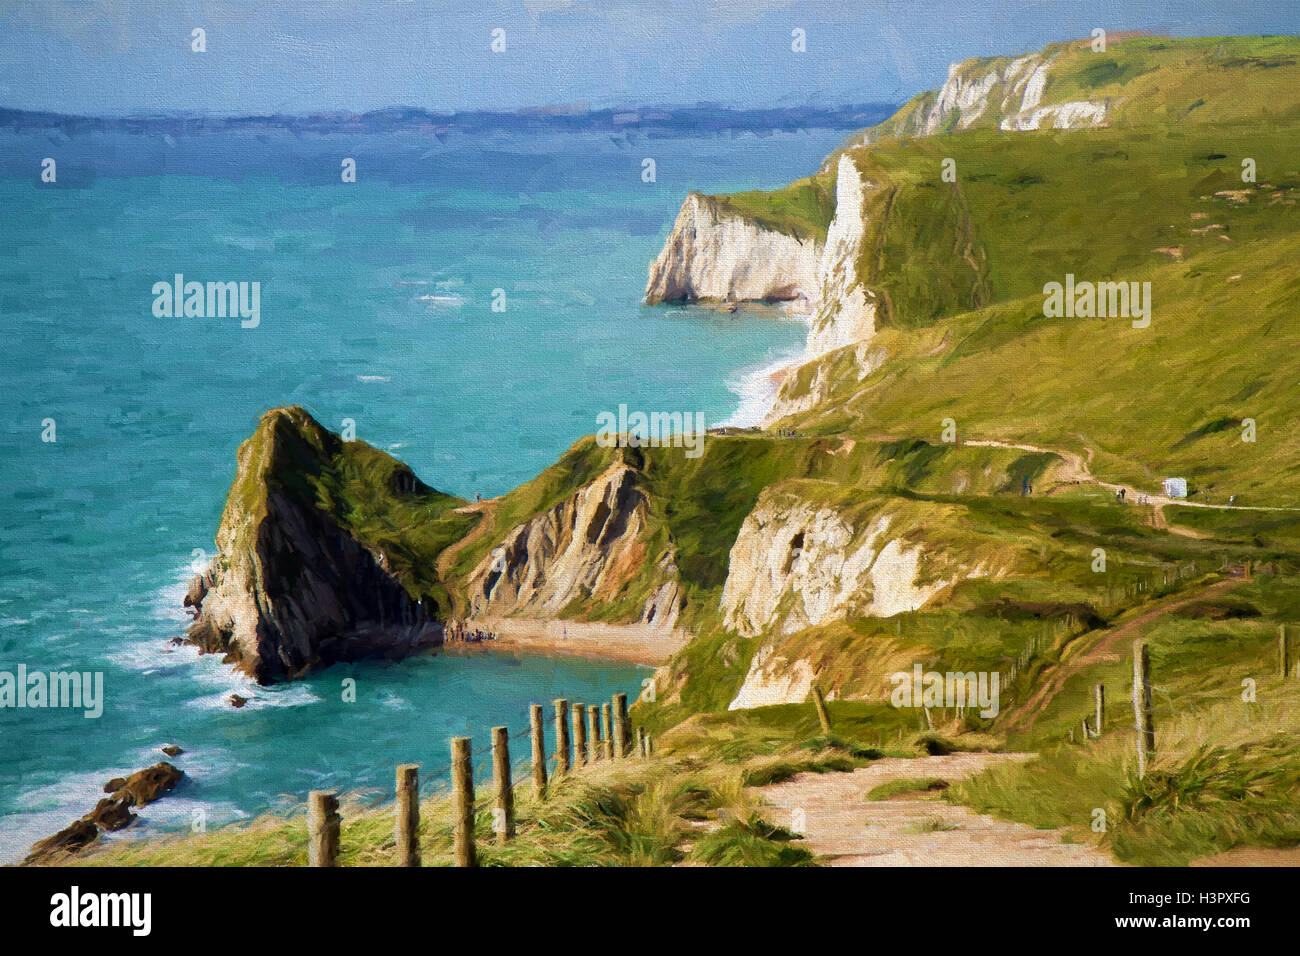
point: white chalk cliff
(844, 312)
(712, 254)
(796, 565)
(1011, 95)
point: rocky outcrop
(999, 92)
(586, 548)
(844, 311)
(774, 679)
(796, 564)
(111, 813)
(292, 589)
(712, 254)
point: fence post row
(603, 733)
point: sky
(112, 57)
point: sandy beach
(635, 643)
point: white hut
(1175, 487)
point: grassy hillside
(367, 492)
(1145, 81)
(802, 209)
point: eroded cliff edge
(715, 254)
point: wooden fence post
(1283, 653)
(323, 825)
(1099, 716)
(408, 815)
(622, 732)
(579, 715)
(503, 817)
(607, 727)
(539, 750)
(823, 716)
(462, 801)
(1146, 731)
(561, 736)
(593, 734)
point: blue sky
(123, 56)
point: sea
(470, 304)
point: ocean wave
(262, 699)
(756, 388)
(374, 378)
(441, 301)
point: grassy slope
(960, 269)
(370, 494)
(802, 209)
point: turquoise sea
(376, 306)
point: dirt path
(487, 511)
(1111, 646)
(840, 825)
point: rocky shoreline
(111, 813)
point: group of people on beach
(459, 632)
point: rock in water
(172, 750)
(111, 813)
(295, 587)
(146, 786)
(68, 840)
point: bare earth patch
(637, 643)
(842, 827)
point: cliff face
(1006, 93)
(712, 254)
(587, 547)
(292, 589)
(844, 311)
(796, 564)
(799, 564)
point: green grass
(802, 209)
(676, 808)
(363, 490)
(908, 787)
